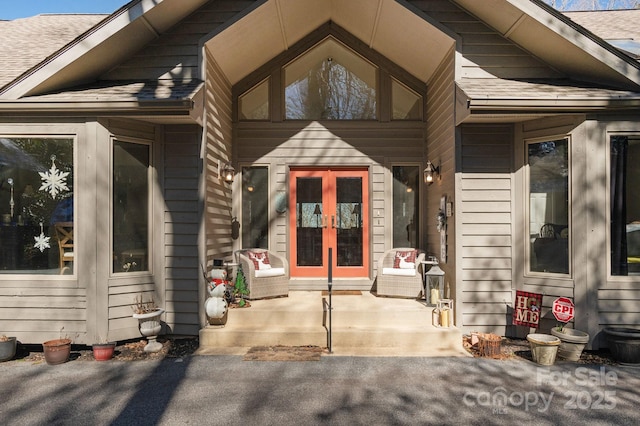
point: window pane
(254, 104)
(406, 104)
(36, 193)
(405, 206)
(255, 202)
(549, 206)
(309, 210)
(130, 207)
(330, 82)
(625, 205)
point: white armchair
(400, 273)
(266, 273)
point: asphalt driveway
(225, 390)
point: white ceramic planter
(572, 342)
(150, 326)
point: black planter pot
(624, 344)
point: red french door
(329, 208)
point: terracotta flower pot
(57, 351)
(103, 351)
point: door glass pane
(349, 221)
(405, 206)
(255, 215)
(130, 207)
(549, 206)
(309, 212)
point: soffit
(551, 37)
(276, 25)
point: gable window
(625, 205)
(36, 202)
(330, 82)
(405, 103)
(131, 191)
(254, 103)
(548, 198)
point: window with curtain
(625, 205)
(131, 191)
(36, 198)
(548, 199)
(255, 202)
(405, 206)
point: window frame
(527, 209)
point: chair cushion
(405, 259)
(403, 272)
(260, 259)
(271, 272)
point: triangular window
(330, 82)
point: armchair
(266, 273)
(400, 273)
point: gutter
(550, 105)
(158, 107)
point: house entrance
(331, 210)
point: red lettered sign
(563, 309)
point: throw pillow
(260, 259)
(405, 259)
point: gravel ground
(180, 347)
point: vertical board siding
(485, 206)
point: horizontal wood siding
(440, 150)
(182, 218)
(371, 144)
(484, 204)
(174, 55)
(484, 52)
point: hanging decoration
(42, 241)
(54, 181)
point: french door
(329, 208)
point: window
(625, 205)
(130, 206)
(548, 193)
(405, 103)
(254, 104)
(405, 206)
(330, 82)
(36, 194)
(255, 202)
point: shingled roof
(26, 42)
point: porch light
(430, 172)
(228, 172)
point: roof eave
(156, 107)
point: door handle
(333, 221)
(325, 222)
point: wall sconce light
(227, 172)
(430, 172)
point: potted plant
(57, 351)
(240, 289)
(572, 342)
(103, 351)
(7, 348)
(148, 316)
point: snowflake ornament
(54, 181)
(42, 241)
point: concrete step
(361, 325)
